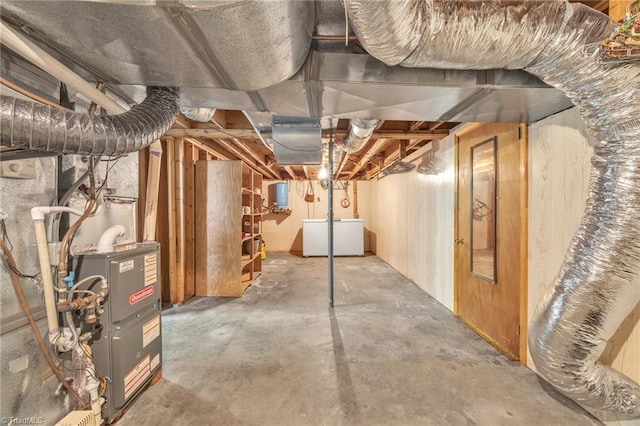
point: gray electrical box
(127, 345)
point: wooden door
(490, 283)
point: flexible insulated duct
(558, 42)
(29, 125)
(359, 134)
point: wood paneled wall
(559, 161)
(412, 224)
(284, 233)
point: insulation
(558, 42)
(37, 127)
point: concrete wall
(412, 224)
(559, 166)
(28, 385)
(284, 233)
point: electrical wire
(17, 287)
(7, 241)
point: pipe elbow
(38, 213)
(105, 243)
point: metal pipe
(34, 54)
(330, 223)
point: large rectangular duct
(297, 140)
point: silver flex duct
(29, 125)
(558, 42)
(359, 134)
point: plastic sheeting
(558, 42)
(29, 125)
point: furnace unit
(127, 345)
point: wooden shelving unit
(251, 224)
(228, 237)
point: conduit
(28, 125)
(559, 43)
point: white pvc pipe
(37, 215)
(47, 280)
(105, 243)
(30, 51)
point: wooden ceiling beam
(220, 118)
(391, 158)
(343, 160)
(307, 175)
(377, 146)
(257, 158)
(291, 172)
(244, 156)
(210, 148)
(436, 125)
(416, 125)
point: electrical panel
(127, 343)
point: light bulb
(323, 173)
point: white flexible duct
(202, 115)
(359, 134)
(558, 42)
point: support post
(330, 223)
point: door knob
(459, 240)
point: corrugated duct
(558, 42)
(359, 134)
(29, 125)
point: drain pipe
(37, 216)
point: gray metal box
(128, 349)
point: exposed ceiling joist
(239, 151)
(377, 146)
(378, 168)
(290, 171)
(209, 149)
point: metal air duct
(29, 125)
(558, 42)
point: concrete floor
(388, 354)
